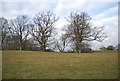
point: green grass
(46, 65)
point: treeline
(40, 33)
(110, 47)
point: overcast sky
(103, 13)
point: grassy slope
(40, 65)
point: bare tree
(62, 42)
(80, 30)
(19, 27)
(43, 29)
(4, 28)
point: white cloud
(68, 5)
(107, 13)
(109, 19)
(12, 10)
(93, 8)
(111, 29)
(61, 23)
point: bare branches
(80, 29)
(4, 27)
(62, 42)
(44, 26)
(97, 34)
(78, 32)
(19, 27)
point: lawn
(46, 65)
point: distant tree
(103, 48)
(49, 50)
(19, 27)
(110, 47)
(62, 42)
(80, 30)
(72, 46)
(86, 48)
(4, 29)
(11, 43)
(27, 45)
(43, 29)
(85, 45)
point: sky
(103, 13)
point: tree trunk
(20, 42)
(80, 51)
(78, 47)
(20, 48)
(20, 45)
(43, 47)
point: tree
(62, 42)
(29, 44)
(5, 28)
(11, 43)
(103, 48)
(19, 27)
(110, 47)
(43, 29)
(81, 31)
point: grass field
(46, 65)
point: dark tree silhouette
(103, 48)
(110, 47)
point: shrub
(110, 47)
(86, 50)
(49, 50)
